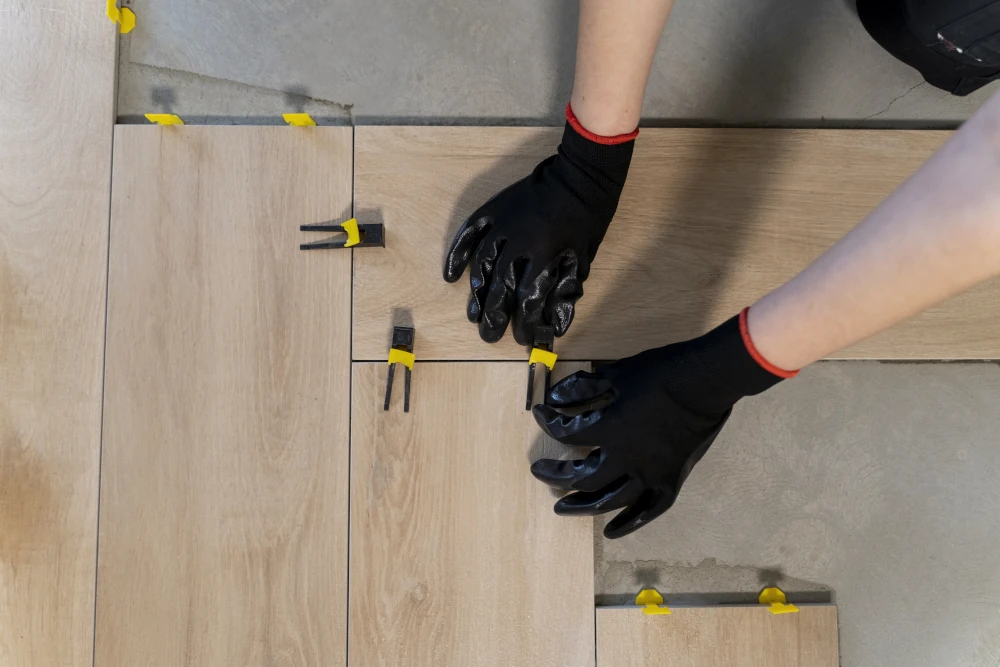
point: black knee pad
(955, 44)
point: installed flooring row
(257, 504)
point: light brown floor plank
(710, 220)
(718, 637)
(224, 491)
(57, 68)
(457, 559)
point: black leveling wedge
(357, 236)
(401, 352)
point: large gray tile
(760, 61)
(199, 99)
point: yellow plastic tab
(539, 356)
(124, 17)
(775, 597)
(164, 119)
(401, 357)
(128, 21)
(299, 119)
(353, 235)
(650, 600)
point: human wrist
(605, 111)
(608, 134)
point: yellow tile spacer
(540, 356)
(124, 17)
(650, 600)
(299, 119)
(164, 119)
(775, 597)
(401, 357)
(353, 235)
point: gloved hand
(531, 245)
(667, 406)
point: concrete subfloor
(875, 486)
(742, 62)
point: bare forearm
(934, 237)
(614, 54)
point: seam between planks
(350, 415)
(104, 381)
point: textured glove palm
(530, 247)
(667, 405)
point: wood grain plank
(710, 220)
(223, 537)
(457, 559)
(56, 115)
(718, 637)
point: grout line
(104, 383)
(104, 361)
(350, 414)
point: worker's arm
(529, 248)
(614, 54)
(936, 236)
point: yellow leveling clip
(164, 119)
(124, 17)
(539, 356)
(775, 597)
(401, 357)
(650, 600)
(541, 353)
(299, 119)
(400, 352)
(354, 237)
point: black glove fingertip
(634, 517)
(567, 429)
(567, 291)
(566, 507)
(591, 503)
(464, 245)
(544, 415)
(618, 528)
(493, 325)
(474, 311)
(562, 317)
(579, 389)
(555, 473)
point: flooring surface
(718, 637)
(457, 559)
(710, 220)
(870, 485)
(445, 61)
(224, 502)
(56, 112)
(875, 486)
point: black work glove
(667, 406)
(531, 245)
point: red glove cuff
(596, 138)
(757, 356)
